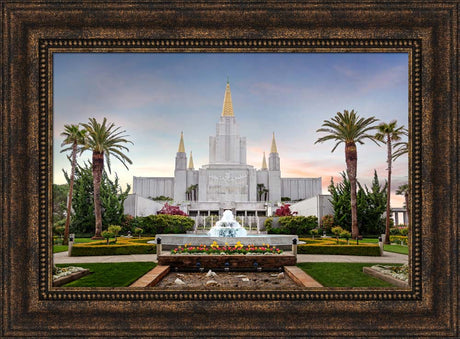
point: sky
(155, 96)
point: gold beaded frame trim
(49, 46)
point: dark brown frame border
(32, 31)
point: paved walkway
(386, 258)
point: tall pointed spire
(274, 149)
(190, 162)
(264, 163)
(181, 143)
(227, 109)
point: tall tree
(104, 140)
(75, 138)
(112, 199)
(350, 129)
(387, 133)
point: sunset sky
(156, 96)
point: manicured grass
(396, 249)
(111, 274)
(64, 248)
(368, 241)
(59, 248)
(389, 248)
(342, 274)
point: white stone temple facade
(227, 181)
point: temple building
(227, 181)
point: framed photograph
(61, 61)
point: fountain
(227, 227)
(227, 231)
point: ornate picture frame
(33, 30)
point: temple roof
(190, 162)
(264, 163)
(274, 149)
(181, 143)
(227, 109)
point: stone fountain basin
(170, 241)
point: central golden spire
(227, 109)
(274, 149)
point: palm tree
(401, 148)
(388, 133)
(349, 128)
(103, 140)
(74, 139)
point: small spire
(227, 109)
(274, 149)
(190, 162)
(181, 143)
(264, 163)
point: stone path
(386, 258)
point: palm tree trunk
(69, 202)
(351, 158)
(387, 221)
(98, 165)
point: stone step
(152, 277)
(300, 277)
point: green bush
(165, 223)
(113, 250)
(363, 250)
(298, 225)
(327, 222)
(394, 231)
(268, 223)
(404, 231)
(398, 239)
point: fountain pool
(226, 231)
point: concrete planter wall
(234, 261)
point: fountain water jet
(227, 227)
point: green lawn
(111, 274)
(396, 249)
(389, 248)
(64, 248)
(342, 274)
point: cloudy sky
(156, 96)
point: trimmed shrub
(404, 231)
(398, 239)
(327, 222)
(364, 249)
(165, 223)
(298, 225)
(122, 247)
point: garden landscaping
(120, 246)
(343, 274)
(337, 247)
(110, 274)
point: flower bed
(123, 246)
(238, 248)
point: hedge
(123, 246)
(165, 223)
(298, 225)
(364, 249)
(398, 238)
